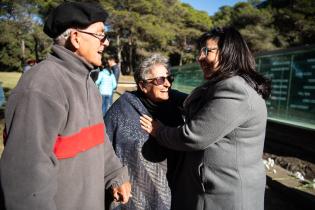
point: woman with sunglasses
(224, 130)
(149, 172)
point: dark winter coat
(223, 137)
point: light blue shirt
(2, 97)
(106, 82)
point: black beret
(73, 15)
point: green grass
(8, 80)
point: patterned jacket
(151, 167)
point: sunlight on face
(90, 47)
(157, 93)
(209, 59)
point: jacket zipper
(87, 96)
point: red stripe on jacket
(85, 139)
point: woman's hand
(149, 125)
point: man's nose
(106, 43)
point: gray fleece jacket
(57, 155)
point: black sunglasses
(101, 37)
(160, 80)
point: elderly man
(57, 155)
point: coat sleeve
(28, 167)
(216, 118)
(115, 173)
(110, 120)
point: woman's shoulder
(232, 80)
(238, 87)
(233, 87)
(125, 97)
(233, 83)
(128, 105)
(128, 95)
(104, 72)
(129, 98)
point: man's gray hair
(141, 73)
(62, 38)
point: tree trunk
(130, 54)
(23, 50)
(181, 58)
(184, 44)
(119, 50)
(36, 48)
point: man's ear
(74, 39)
(142, 87)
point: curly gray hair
(141, 73)
(62, 38)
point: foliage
(138, 28)
(144, 27)
(295, 20)
(10, 50)
(271, 24)
(253, 23)
(23, 38)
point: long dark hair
(235, 58)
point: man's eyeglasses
(160, 80)
(101, 37)
(207, 50)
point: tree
(295, 21)
(144, 27)
(22, 39)
(138, 28)
(223, 16)
(253, 23)
(191, 25)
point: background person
(224, 129)
(2, 96)
(29, 65)
(144, 158)
(114, 67)
(106, 83)
(57, 155)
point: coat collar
(198, 92)
(73, 62)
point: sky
(210, 6)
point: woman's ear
(142, 87)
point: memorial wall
(292, 74)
